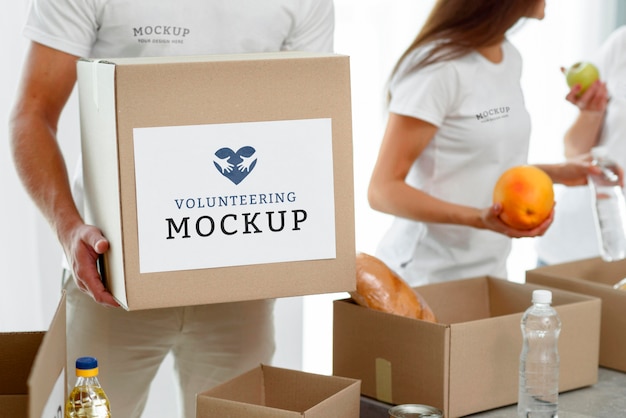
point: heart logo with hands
(235, 166)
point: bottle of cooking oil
(87, 399)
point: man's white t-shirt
(573, 236)
(130, 28)
(142, 28)
(483, 129)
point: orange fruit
(526, 194)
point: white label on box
(56, 400)
(234, 194)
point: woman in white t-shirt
(457, 120)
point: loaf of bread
(379, 288)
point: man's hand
(85, 244)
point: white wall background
(373, 33)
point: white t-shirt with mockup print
(131, 28)
(483, 129)
(143, 28)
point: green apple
(583, 73)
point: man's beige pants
(210, 344)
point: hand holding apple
(583, 74)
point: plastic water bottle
(609, 207)
(87, 399)
(539, 360)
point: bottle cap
(542, 296)
(599, 152)
(86, 366)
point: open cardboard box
(594, 277)
(271, 392)
(467, 362)
(17, 353)
(220, 178)
(32, 371)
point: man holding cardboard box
(210, 343)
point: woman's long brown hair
(458, 27)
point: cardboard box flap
(474, 299)
(17, 352)
(268, 391)
(299, 391)
(457, 301)
(593, 277)
(593, 270)
(344, 403)
(279, 388)
(93, 78)
(121, 61)
(227, 408)
(13, 406)
(49, 365)
(246, 388)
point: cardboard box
(47, 383)
(469, 361)
(594, 277)
(268, 391)
(32, 371)
(17, 353)
(220, 178)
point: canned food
(414, 411)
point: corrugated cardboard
(469, 361)
(268, 391)
(31, 364)
(594, 277)
(17, 352)
(47, 383)
(124, 101)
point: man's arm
(48, 78)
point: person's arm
(404, 140)
(575, 171)
(585, 131)
(48, 78)
(581, 136)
